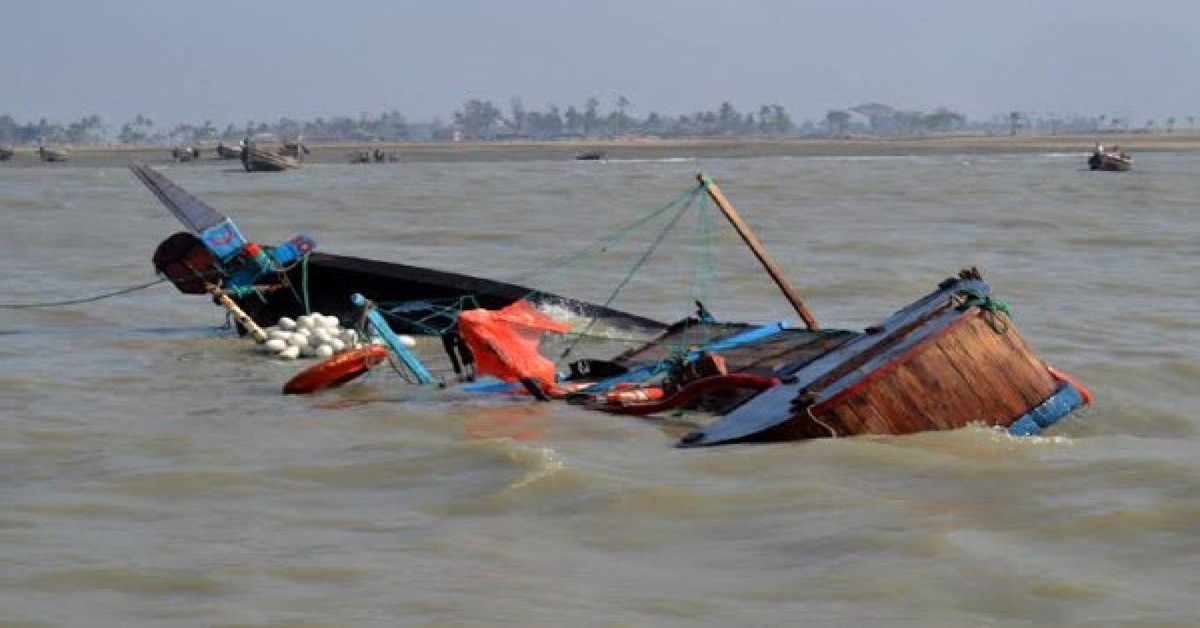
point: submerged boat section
(291, 279)
(951, 359)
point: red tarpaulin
(505, 341)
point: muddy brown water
(152, 474)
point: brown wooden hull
(938, 364)
(258, 160)
(970, 373)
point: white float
(312, 335)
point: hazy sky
(230, 61)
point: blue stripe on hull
(1066, 399)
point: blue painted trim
(1066, 399)
(293, 249)
(490, 387)
(736, 340)
(409, 358)
(223, 239)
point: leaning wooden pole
(756, 246)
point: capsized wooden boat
(292, 279)
(256, 159)
(948, 360)
(1113, 160)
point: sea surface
(151, 473)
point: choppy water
(151, 473)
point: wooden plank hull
(259, 160)
(966, 373)
(936, 365)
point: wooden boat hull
(415, 298)
(938, 364)
(259, 160)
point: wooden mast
(764, 258)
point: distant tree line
(478, 119)
(483, 120)
(143, 130)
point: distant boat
(592, 155)
(377, 156)
(5, 154)
(185, 153)
(51, 155)
(258, 160)
(227, 152)
(1113, 159)
(294, 148)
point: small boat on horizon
(377, 156)
(228, 152)
(183, 154)
(256, 159)
(5, 153)
(50, 155)
(592, 155)
(1110, 159)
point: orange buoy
(335, 371)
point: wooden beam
(756, 247)
(224, 301)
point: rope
(990, 308)
(706, 266)
(569, 259)
(560, 265)
(449, 312)
(107, 295)
(632, 271)
(304, 282)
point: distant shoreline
(655, 148)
